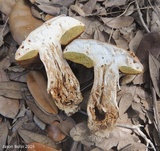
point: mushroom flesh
(107, 61)
(45, 42)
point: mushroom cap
(61, 29)
(95, 53)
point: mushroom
(46, 42)
(107, 60)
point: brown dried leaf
(89, 6)
(30, 137)
(12, 85)
(91, 26)
(36, 12)
(5, 63)
(80, 133)
(3, 75)
(54, 132)
(4, 29)
(66, 3)
(37, 111)
(118, 22)
(110, 3)
(149, 43)
(9, 107)
(66, 123)
(49, 9)
(37, 85)
(137, 108)
(127, 79)
(11, 89)
(6, 6)
(21, 21)
(125, 103)
(101, 35)
(39, 122)
(133, 44)
(3, 134)
(123, 146)
(78, 10)
(154, 68)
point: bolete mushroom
(46, 41)
(107, 60)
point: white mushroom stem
(107, 59)
(102, 106)
(46, 41)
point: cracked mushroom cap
(107, 60)
(46, 42)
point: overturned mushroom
(107, 60)
(46, 42)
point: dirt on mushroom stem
(102, 107)
(46, 41)
(107, 59)
(63, 86)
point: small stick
(140, 16)
(136, 129)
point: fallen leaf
(118, 22)
(90, 24)
(16, 73)
(6, 6)
(110, 3)
(123, 146)
(130, 10)
(65, 124)
(37, 111)
(149, 43)
(3, 134)
(11, 89)
(54, 132)
(133, 45)
(9, 107)
(36, 12)
(4, 29)
(37, 85)
(125, 103)
(30, 137)
(78, 10)
(5, 63)
(81, 133)
(21, 21)
(154, 68)
(127, 79)
(66, 3)
(39, 122)
(89, 6)
(49, 9)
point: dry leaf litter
(130, 24)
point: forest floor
(25, 124)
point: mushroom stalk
(107, 60)
(46, 42)
(63, 85)
(102, 108)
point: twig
(141, 18)
(156, 110)
(136, 129)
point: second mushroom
(107, 60)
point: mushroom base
(102, 122)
